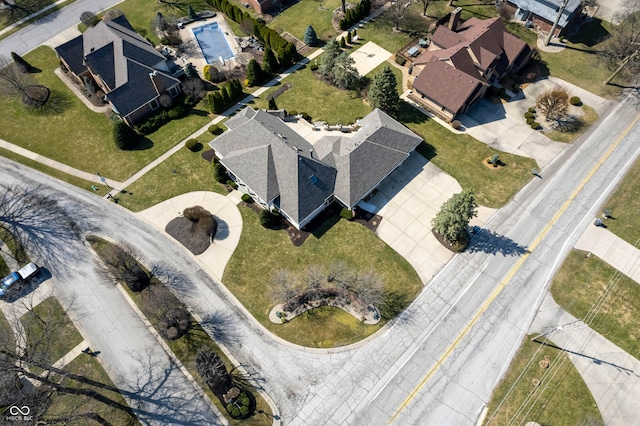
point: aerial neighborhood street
(319, 213)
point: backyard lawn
(344, 241)
(296, 18)
(624, 204)
(67, 131)
(560, 399)
(183, 172)
(580, 284)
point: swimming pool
(213, 43)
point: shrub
(530, 121)
(269, 219)
(306, 116)
(528, 114)
(313, 67)
(220, 173)
(124, 136)
(292, 112)
(246, 198)
(535, 125)
(400, 60)
(193, 145)
(215, 129)
(575, 101)
(532, 110)
(232, 184)
(456, 124)
(346, 213)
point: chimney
(454, 18)
(311, 153)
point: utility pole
(555, 24)
(624, 62)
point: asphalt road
(43, 29)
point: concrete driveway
(407, 200)
(502, 126)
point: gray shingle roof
(548, 9)
(367, 157)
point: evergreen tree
(349, 37)
(343, 43)
(272, 104)
(190, 71)
(269, 63)
(192, 13)
(453, 218)
(331, 52)
(254, 73)
(310, 37)
(344, 73)
(216, 104)
(124, 136)
(383, 92)
(287, 54)
(226, 96)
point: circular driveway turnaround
(224, 209)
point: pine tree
(310, 37)
(269, 63)
(453, 218)
(216, 103)
(272, 104)
(383, 92)
(192, 13)
(254, 73)
(348, 37)
(343, 43)
(124, 136)
(226, 96)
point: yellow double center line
(511, 273)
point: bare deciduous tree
(284, 286)
(425, 5)
(12, 81)
(213, 370)
(368, 287)
(553, 103)
(621, 51)
(398, 11)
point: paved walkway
(612, 375)
(611, 249)
(215, 258)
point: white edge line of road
(614, 182)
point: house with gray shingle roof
(282, 170)
(543, 13)
(463, 60)
(126, 67)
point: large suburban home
(462, 61)
(543, 13)
(128, 69)
(282, 170)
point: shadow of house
(483, 112)
(463, 60)
(126, 67)
(283, 171)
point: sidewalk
(612, 250)
(611, 374)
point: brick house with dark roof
(463, 60)
(126, 67)
(282, 170)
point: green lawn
(14, 246)
(297, 17)
(347, 242)
(320, 100)
(565, 401)
(579, 284)
(183, 172)
(46, 320)
(382, 33)
(624, 204)
(71, 133)
(62, 403)
(462, 157)
(185, 348)
(24, 9)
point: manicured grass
(14, 246)
(580, 283)
(67, 131)
(462, 157)
(382, 33)
(590, 116)
(186, 347)
(183, 172)
(89, 367)
(320, 100)
(563, 399)
(347, 242)
(624, 204)
(46, 320)
(296, 18)
(80, 183)
(26, 8)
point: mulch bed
(442, 241)
(208, 155)
(367, 219)
(180, 228)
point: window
(173, 92)
(154, 104)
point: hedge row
(352, 16)
(228, 93)
(161, 118)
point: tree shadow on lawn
(144, 143)
(591, 33)
(487, 241)
(57, 103)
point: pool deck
(190, 44)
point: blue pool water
(213, 43)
